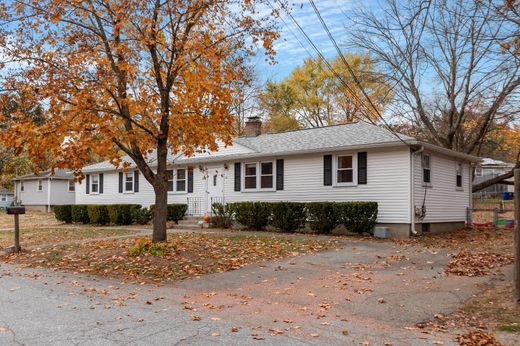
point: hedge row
(117, 214)
(175, 212)
(322, 217)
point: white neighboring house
(42, 192)
(418, 186)
(6, 198)
(490, 168)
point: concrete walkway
(365, 292)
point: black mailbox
(15, 210)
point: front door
(215, 188)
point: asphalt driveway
(370, 293)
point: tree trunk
(160, 213)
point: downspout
(412, 188)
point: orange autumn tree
(137, 77)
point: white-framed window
(181, 180)
(129, 182)
(40, 185)
(94, 183)
(458, 173)
(250, 176)
(72, 186)
(177, 180)
(259, 176)
(478, 172)
(345, 169)
(22, 187)
(4, 198)
(426, 168)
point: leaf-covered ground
(185, 255)
(29, 220)
(43, 236)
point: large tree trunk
(160, 213)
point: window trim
(354, 169)
(130, 174)
(424, 183)
(477, 170)
(258, 165)
(4, 198)
(40, 185)
(73, 184)
(458, 165)
(175, 179)
(91, 191)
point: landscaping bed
(183, 256)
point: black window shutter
(136, 182)
(100, 182)
(190, 180)
(279, 174)
(327, 170)
(362, 167)
(120, 182)
(88, 184)
(237, 176)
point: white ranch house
(42, 192)
(418, 186)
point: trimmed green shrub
(175, 212)
(222, 215)
(252, 215)
(79, 213)
(322, 216)
(63, 213)
(121, 214)
(357, 217)
(288, 216)
(98, 214)
(141, 216)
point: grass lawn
(29, 220)
(37, 236)
(183, 256)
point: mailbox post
(16, 211)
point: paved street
(365, 292)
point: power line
(349, 68)
(315, 48)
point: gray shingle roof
(4, 191)
(58, 174)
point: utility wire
(349, 68)
(315, 48)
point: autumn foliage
(137, 77)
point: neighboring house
(42, 192)
(352, 162)
(487, 169)
(6, 198)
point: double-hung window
(266, 175)
(181, 180)
(478, 172)
(250, 176)
(177, 180)
(40, 185)
(72, 186)
(22, 187)
(345, 169)
(426, 167)
(459, 174)
(94, 183)
(129, 182)
(4, 198)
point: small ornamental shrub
(322, 216)
(79, 213)
(63, 213)
(141, 216)
(175, 212)
(288, 216)
(222, 215)
(252, 215)
(121, 214)
(98, 214)
(143, 247)
(358, 217)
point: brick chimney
(253, 127)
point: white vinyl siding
(58, 195)
(444, 202)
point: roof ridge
(304, 129)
